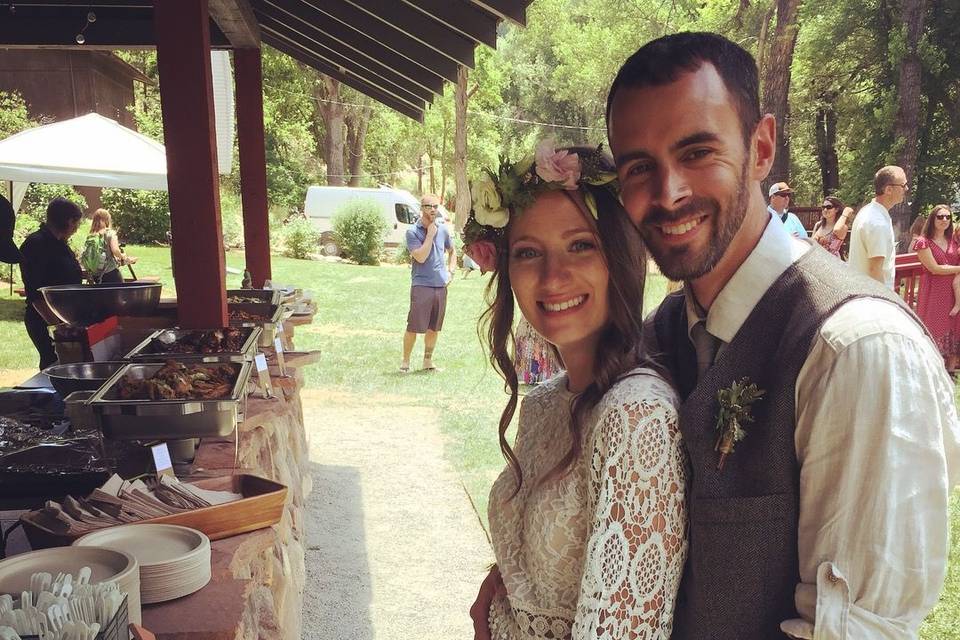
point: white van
(399, 209)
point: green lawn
(359, 327)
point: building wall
(62, 84)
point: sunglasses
(943, 216)
(827, 206)
(429, 206)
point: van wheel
(329, 245)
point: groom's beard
(689, 262)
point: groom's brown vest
(742, 567)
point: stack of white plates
(106, 565)
(174, 561)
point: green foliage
(300, 239)
(13, 114)
(141, 217)
(39, 195)
(360, 229)
(231, 219)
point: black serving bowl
(80, 376)
(89, 303)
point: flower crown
(515, 186)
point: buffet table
(256, 589)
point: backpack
(94, 255)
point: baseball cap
(8, 250)
(780, 188)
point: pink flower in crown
(557, 166)
(484, 253)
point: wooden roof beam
(351, 81)
(420, 27)
(331, 34)
(383, 77)
(462, 16)
(235, 18)
(350, 19)
(513, 10)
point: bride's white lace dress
(599, 552)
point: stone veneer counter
(256, 589)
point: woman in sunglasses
(831, 228)
(940, 256)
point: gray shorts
(427, 306)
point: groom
(829, 518)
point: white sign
(161, 459)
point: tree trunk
(826, 134)
(443, 162)
(327, 92)
(460, 149)
(358, 121)
(776, 83)
(907, 123)
(433, 173)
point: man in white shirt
(872, 245)
(779, 195)
(829, 518)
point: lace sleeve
(637, 543)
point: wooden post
(186, 99)
(253, 163)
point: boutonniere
(735, 412)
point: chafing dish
(272, 315)
(90, 303)
(150, 350)
(266, 296)
(169, 419)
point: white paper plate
(106, 565)
(174, 561)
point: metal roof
(398, 52)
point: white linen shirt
(878, 442)
(871, 236)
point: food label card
(263, 373)
(278, 347)
(161, 460)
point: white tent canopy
(94, 151)
(89, 151)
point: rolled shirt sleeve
(877, 440)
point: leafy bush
(39, 195)
(231, 219)
(142, 217)
(360, 230)
(300, 238)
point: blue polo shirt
(432, 272)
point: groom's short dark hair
(663, 60)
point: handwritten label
(278, 347)
(261, 362)
(161, 460)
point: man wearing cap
(779, 200)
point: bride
(588, 520)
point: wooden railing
(906, 280)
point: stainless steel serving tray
(142, 352)
(273, 314)
(267, 296)
(169, 419)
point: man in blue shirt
(429, 243)
(779, 195)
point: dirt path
(395, 550)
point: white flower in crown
(488, 208)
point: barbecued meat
(228, 340)
(237, 315)
(245, 299)
(179, 381)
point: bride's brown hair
(618, 349)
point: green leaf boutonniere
(735, 412)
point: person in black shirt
(48, 260)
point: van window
(406, 214)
